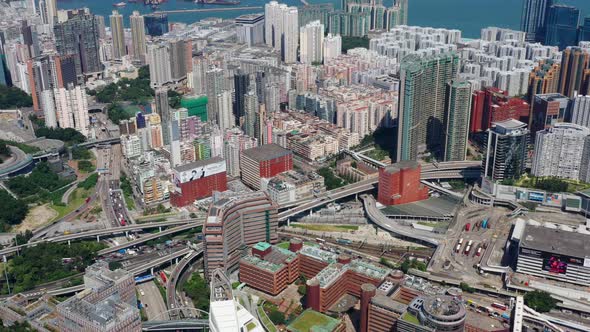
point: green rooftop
(262, 246)
(408, 317)
(313, 321)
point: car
(142, 292)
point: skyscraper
(584, 30)
(138, 37)
(241, 85)
(532, 20)
(178, 59)
(250, 111)
(48, 11)
(562, 26)
(163, 110)
(422, 103)
(118, 35)
(574, 75)
(156, 24)
(225, 117)
(581, 111)
(311, 37)
(458, 107)
(250, 29)
(78, 36)
(505, 154)
(559, 150)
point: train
(343, 241)
(141, 279)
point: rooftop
(199, 163)
(388, 304)
(405, 164)
(262, 246)
(313, 321)
(266, 152)
(368, 269)
(410, 318)
(556, 241)
(329, 274)
(262, 264)
(319, 254)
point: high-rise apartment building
(533, 18)
(250, 110)
(584, 30)
(311, 37)
(456, 124)
(71, 107)
(215, 84)
(422, 103)
(282, 29)
(580, 111)
(138, 37)
(575, 73)
(544, 78)
(559, 150)
(562, 26)
(180, 52)
(506, 148)
(159, 64)
(78, 36)
(547, 110)
(235, 141)
(48, 11)
(332, 46)
(118, 35)
(234, 223)
(225, 117)
(163, 110)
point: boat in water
(217, 2)
(120, 4)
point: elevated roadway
(176, 275)
(176, 325)
(105, 141)
(102, 232)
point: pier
(203, 10)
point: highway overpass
(176, 325)
(176, 275)
(438, 171)
(91, 144)
(101, 232)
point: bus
(458, 248)
(500, 306)
(461, 241)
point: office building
(456, 124)
(138, 37)
(241, 86)
(118, 35)
(233, 223)
(400, 183)
(559, 151)
(422, 103)
(180, 56)
(584, 30)
(580, 111)
(71, 107)
(575, 72)
(78, 37)
(197, 180)
(506, 147)
(264, 161)
(156, 24)
(332, 47)
(562, 26)
(108, 303)
(433, 313)
(311, 38)
(158, 59)
(566, 260)
(378, 311)
(547, 110)
(533, 19)
(250, 29)
(270, 268)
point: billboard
(536, 196)
(554, 264)
(553, 200)
(198, 171)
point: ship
(120, 4)
(217, 2)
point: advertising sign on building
(187, 173)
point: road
(154, 305)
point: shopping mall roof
(432, 207)
(556, 241)
(311, 320)
(266, 152)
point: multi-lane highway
(176, 275)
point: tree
(68, 135)
(540, 301)
(174, 99)
(4, 149)
(13, 97)
(197, 289)
(466, 288)
(277, 317)
(85, 166)
(13, 211)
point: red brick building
(494, 105)
(197, 180)
(264, 161)
(400, 183)
(270, 268)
